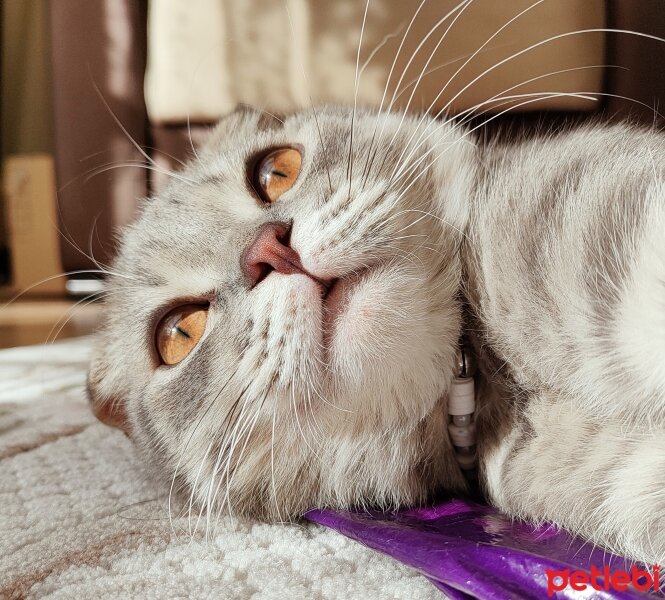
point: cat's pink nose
(268, 252)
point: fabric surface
(79, 518)
(206, 56)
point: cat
(282, 321)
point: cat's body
(565, 273)
(547, 254)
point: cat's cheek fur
(392, 350)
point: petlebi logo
(603, 579)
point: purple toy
(470, 550)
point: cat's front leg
(603, 481)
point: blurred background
(99, 98)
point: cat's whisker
(326, 401)
(35, 285)
(311, 102)
(230, 420)
(427, 62)
(461, 7)
(534, 46)
(66, 235)
(120, 125)
(273, 485)
(191, 141)
(368, 162)
(246, 431)
(405, 254)
(314, 426)
(471, 110)
(537, 45)
(70, 314)
(493, 101)
(534, 97)
(134, 143)
(394, 63)
(138, 164)
(200, 420)
(443, 65)
(93, 232)
(537, 98)
(427, 214)
(194, 487)
(349, 168)
(379, 46)
(294, 407)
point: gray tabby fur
(549, 253)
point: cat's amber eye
(276, 173)
(179, 332)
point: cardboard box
(28, 185)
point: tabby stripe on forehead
(269, 121)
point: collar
(461, 409)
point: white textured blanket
(79, 519)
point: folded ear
(454, 165)
(107, 399)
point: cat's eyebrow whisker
(461, 7)
(385, 89)
(349, 167)
(71, 313)
(52, 278)
(138, 164)
(427, 62)
(191, 141)
(127, 134)
(311, 102)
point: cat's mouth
(335, 301)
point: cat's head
(281, 322)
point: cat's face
(318, 330)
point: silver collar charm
(461, 409)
